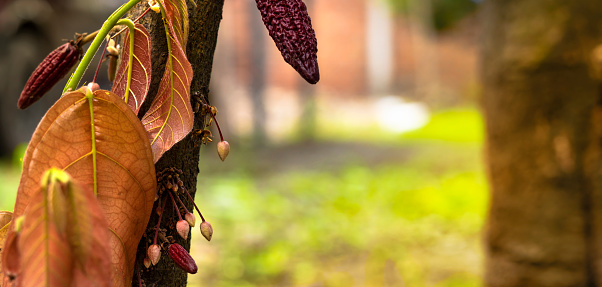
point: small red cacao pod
(182, 258)
(54, 67)
(289, 25)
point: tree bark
(204, 24)
(543, 117)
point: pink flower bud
(207, 230)
(183, 228)
(154, 253)
(223, 149)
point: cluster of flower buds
(171, 186)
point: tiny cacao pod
(182, 258)
(289, 25)
(54, 67)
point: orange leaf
(140, 78)
(170, 116)
(46, 257)
(100, 142)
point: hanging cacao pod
(289, 25)
(54, 67)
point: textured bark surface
(204, 25)
(543, 116)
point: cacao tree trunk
(543, 113)
(204, 24)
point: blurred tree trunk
(424, 43)
(204, 25)
(257, 74)
(543, 113)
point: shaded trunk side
(543, 149)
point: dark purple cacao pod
(182, 258)
(289, 26)
(54, 67)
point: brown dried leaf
(100, 142)
(170, 116)
(141, 69)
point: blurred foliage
(411, 223)
(445, 12)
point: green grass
(451, 126)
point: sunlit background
(372, 177)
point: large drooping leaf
(177, 18)
(134, 70)
(170, 116)
(100, 142)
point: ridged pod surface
(182, 258)
(54, 67)
(289, 25)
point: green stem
(132, 28)
(104, 30)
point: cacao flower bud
(289, 25)
(223, 149)
(154, 253)
(147, 262)
(189, 217)
(206, 230)
(54, 67)
(182, 258)
(183, 228)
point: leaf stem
(90, 98)
(132, 28)
(135, 21)
(104, 30)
